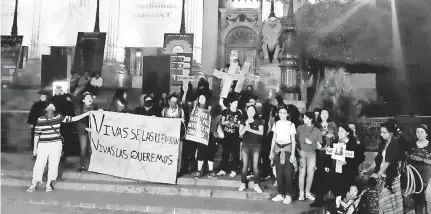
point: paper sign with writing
(198, 129)
(339, 153)
(134, 146)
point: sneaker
(257, 188)
(49, 187)
(32, 188)
(232, 174)
(212, 175)
(242, 188)
(278, 198)
(198, 175)
(309, 196)
(301, 196)
(221, 173)
(287, 200)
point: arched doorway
(242, 43)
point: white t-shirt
(97, 82)
(284, 130)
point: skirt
(391, 203)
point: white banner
(144, 22)
(133, 146)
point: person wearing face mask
(36, 111)
(175, 111)
(86, 105)
(48, 145)
(146, 107)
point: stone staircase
(16, 172)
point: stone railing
(370, 129)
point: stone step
(144, 188)
(188, 179)
(107, 202)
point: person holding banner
(252, 131)
(175, 111)
(48, 145)
(207, 152)
(85, 106)
(230, 122)
(146, 107)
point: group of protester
(256, 138)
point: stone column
(112, 33)
(210, 36)
(35, 46)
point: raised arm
(76, 118)
(223, 107)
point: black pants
(265, 164)
(85, 152)
(250, 153)
(188, 156)
(285, 175)
(231, 146)
(323, 181)
(32, 138)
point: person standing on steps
(310, 139)
(86, 105)
(252, 131)
(175, 111)
(207, 152)
(37, 110)
(230, 122)
(48, 145)
(283, 155)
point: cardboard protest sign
(134, 146)
(198, 129)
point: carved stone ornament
(232, 18)
(271, 30)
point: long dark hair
(424, 127)
(310, 115)
(255, 117)
(206, 104)
(119, 95)
(280, 107)
(349, 131)
(392, 171)
(329, 115)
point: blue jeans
(250, 151)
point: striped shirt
(49, 130)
